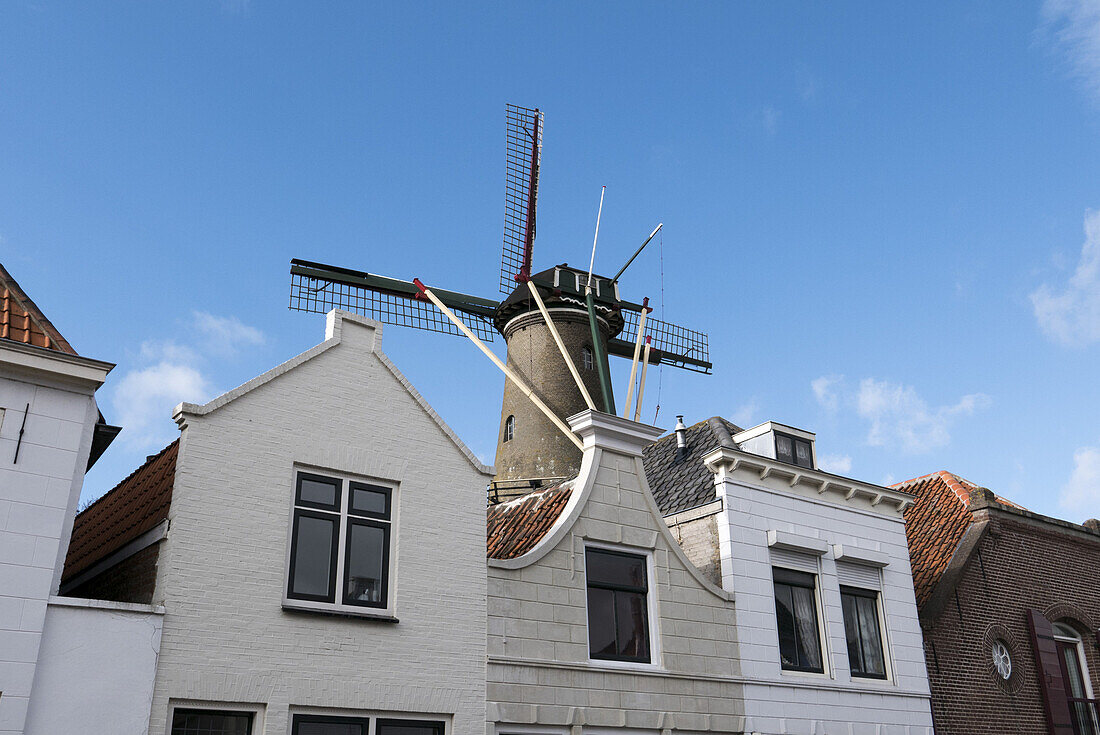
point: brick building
(1010, 608)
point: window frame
(588, 358)
(1066, 635)
(794, 450)
(876, 597)
(255, 712)
(818, 621)
(371, 723)
(337, 599)
(509, 428)
(652, 628)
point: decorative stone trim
(856, 555)
(794, 542)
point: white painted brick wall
(38, 497)
(788, 702)
(222, 570)
(539, 669)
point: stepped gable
(935, 524)
(22, 321)
(515, 527)
(134, 506)
(679, 484)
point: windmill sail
(521, 186)
(672, 345)
(319, 288)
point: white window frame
(372, 715)
(1075, 638)
(257, 710)
(822, 628)
(651, 609)
(386, 612)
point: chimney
(681, 437)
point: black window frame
(873, 595)
(177, 711)
(795, 440)
(299, 719)
(345, 516)
(625, 588)
(805, 580)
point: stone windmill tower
(586, 311)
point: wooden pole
(634, 362)
(641, 386)
(504, 368)
(561, 345)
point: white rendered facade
(775, 515)
(233, 640)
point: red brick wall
(1018, 565)
(131, 580)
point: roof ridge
(148, 461)
(718, 427)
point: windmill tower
(587, 312)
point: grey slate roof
(680, 484)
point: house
(51, 432)
(315, 538)
(1010, 608)
(825, 616)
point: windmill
(559, 324)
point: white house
(316, 540)
(826, 617)
(51, 431)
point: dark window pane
(791, 577)
(851, 632)
(805, 615)
(870, 638)
(312, 562)
(370, 500)
(616, 570)
(304, 725)
(784, 449)
(802, 454)
(365, 565)
(318, 492)
(409, 727)
(210, 722)
(601, 622)
(784, 616)
(631, 625)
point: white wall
(38, 497)
(95, 668)
(222, 570)
(783, 702)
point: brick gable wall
(1018, 565)
(131, 580)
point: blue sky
(884, 216)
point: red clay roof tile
(513, 528)
(22, 321)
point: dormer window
(793, 450)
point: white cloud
(825, 390)
(744, 415)
(1071, 315)
(144, 399)
(226, 334)
(1073, 27)
(1082, 493)
(900, 417)
(839, 464)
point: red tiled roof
(935, 524)
(513, 528)
(134, 506)
(22, 321)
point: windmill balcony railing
(1086, 715)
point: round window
(1002, 661)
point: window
(1002, 660)
(1084, 710)
(318, 725)
(796, 618)
(793, 450)
(509, 428)
(210, 722)
(326, 510)
(618, 614)
(586, 357)
(861, 629)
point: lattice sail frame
(674, 342)
(319, 296)
(521, 185)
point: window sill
(340, 612)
